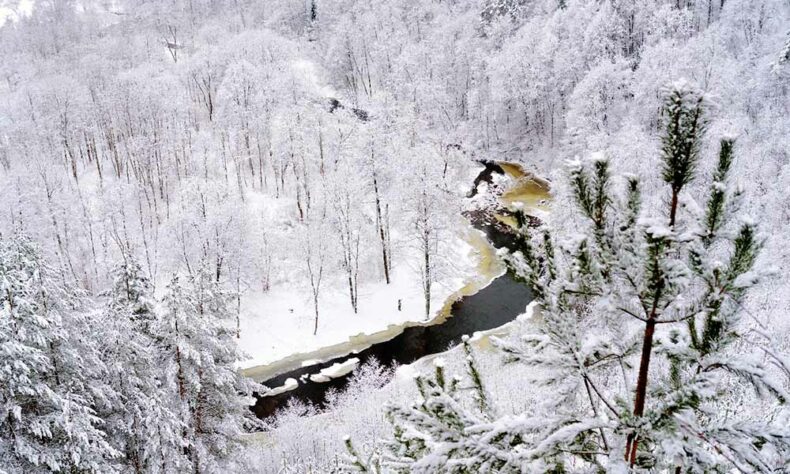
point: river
(494, 305)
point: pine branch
(716, 203)
(481, 397)
(683, 108)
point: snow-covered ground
(279, 323)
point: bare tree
(426, 208)
(348, 228)
(314, 253)
(427, 241)
(170, 39)
(382, 224)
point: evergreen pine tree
(139, 421)
(49, 370)
(210, 396)
(436, 434)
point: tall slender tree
(139, 422)
(209, 395)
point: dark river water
(498, 303)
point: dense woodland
(161, 161)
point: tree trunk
(382, 236)
(180, 376)
(315, 306)
(641, 387)
(673, 207)
(238, 303)
(427, 283)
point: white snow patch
(406, 372)
(336, 370)
(289, 385)
(529, 313)
(308, 71)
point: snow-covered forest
(199, 196)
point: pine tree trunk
(180, 374)
(673, 207)
(632, 442)
(641, 386)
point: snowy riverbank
(276, 323)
